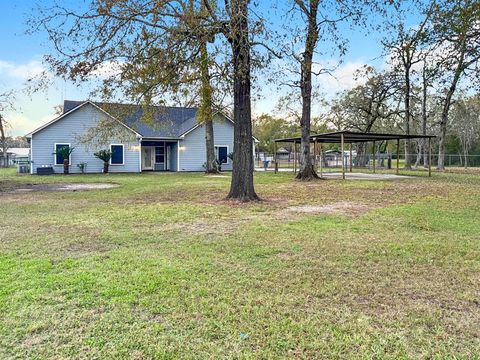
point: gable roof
(65, 113)
(152, 122)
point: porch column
(140, 155)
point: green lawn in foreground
(164, 267)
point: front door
(147, 163)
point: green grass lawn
(164, 267)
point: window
(117, 154)
(160, 154)
(58, 157)
(221, 151)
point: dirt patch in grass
(338, 208)
(61, 187)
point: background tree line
(428, 85)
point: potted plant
(105, 156)
(65, 153)
(83, 167)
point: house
(152, 139)
(283, 154)
(333, 158)
(14, 156)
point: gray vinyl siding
(67, 130)
(192, 147)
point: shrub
(105, 156)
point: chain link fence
(333, 160)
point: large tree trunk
(361, 155)
(206, 112)
(306, 171)
(419, 152)
(424, 142)
(444, 119)
(442, 134)
(242, 187)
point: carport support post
(351, 158)
(294, 157)
(429, 157)
(374, 154)
(275, 156)
(343, 156)
(398, 155)
(315, 155)
(321, 160)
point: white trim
(140, 155)
(55, 154)
(114, 118)
(31, 155)
(228, 152)
(200, 124)
(123, 154)
(178, 155)
(30, 134)
(161, 138)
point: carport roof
(354, 137)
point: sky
(21, 57)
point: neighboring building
(14, 155)
(165, 139)
(283, 154)
(334, 157)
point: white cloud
(21, 124)
(108, 69)
(21, 71)
(33, 110)
(341, 78)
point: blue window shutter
(117, 154)
(222, 154)
(58, 157)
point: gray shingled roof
(162, 122)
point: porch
(159, 155)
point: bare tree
(456, 25)
(320, 21)
(430, 68)
(466, 123)
(367, 106)
(7, 100)
(405, 52)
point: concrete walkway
(364, 176)
(350, 176)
